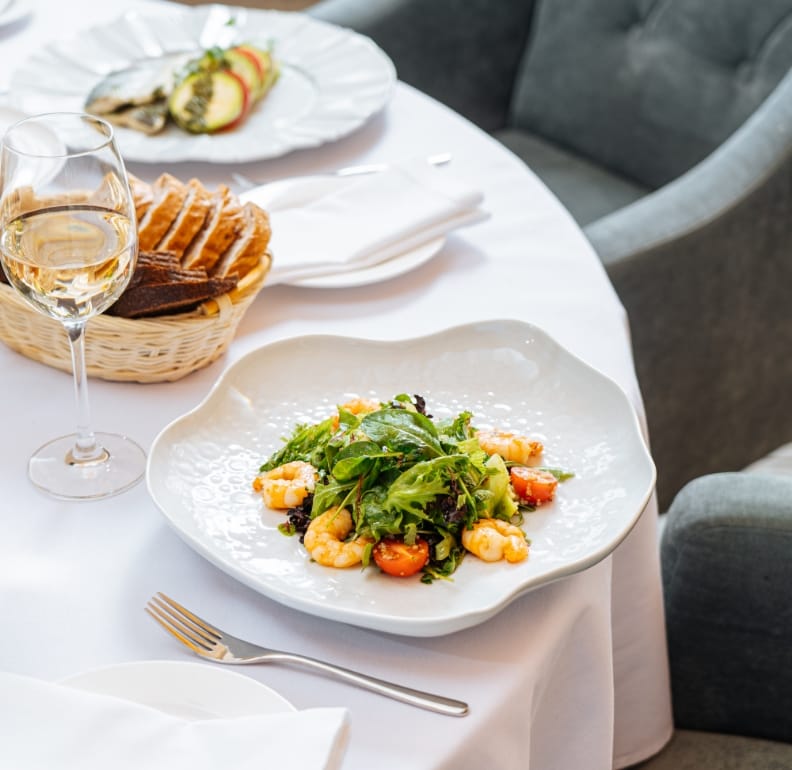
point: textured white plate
(184, 689)
(390, 268)
(509, 374)
(332, 79)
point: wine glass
(68, 245)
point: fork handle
(425, 700)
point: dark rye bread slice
(159, 285)
(164, 298)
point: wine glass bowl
(68, 244)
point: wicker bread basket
(159, 349)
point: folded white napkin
(323, 225)
(44, 726)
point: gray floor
(691, 750)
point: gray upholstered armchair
(726, 574)
(666, 130)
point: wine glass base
(54, 470)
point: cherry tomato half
(532, 485)
(396, 558)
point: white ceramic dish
(332, 79)
(509, 374)
(184, 689)
(384, 271)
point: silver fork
(209, 642)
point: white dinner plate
(183, 689)
(332, 79)
(384, 271)
(508, 374)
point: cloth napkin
(44, 726)
(323, 225)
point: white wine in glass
(68, 244)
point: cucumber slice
(268, 66)
(205, 102)
(247, 68)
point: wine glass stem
(86, 450)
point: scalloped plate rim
(439, 624)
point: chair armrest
(463, 54)
(703, 269)
(726, 573)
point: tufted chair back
(648, 88)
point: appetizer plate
(508, 374)
(332, 79)
(183, 689)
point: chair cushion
(587, 190)
(649, 88)
(693, 750)
(726, 576)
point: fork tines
(192, 631)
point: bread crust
(250, 245)
(168, 198)
(222, 224)
(188, 222)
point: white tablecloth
(573, 675)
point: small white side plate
(183, 689)
(390, 268)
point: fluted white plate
(332, 80)
(508, 374)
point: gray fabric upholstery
(727, 573)
(589, 191)
(652, 91)
(648, 88)
(704, 269)
(465, 53)
(693, 750)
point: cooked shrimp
(495, 539)
(510, 446)
(325, 539)
(358, 406)
(286, 486)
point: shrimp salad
(384, 482)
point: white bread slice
(168, 197)
(220, 228)
(189, 220)
(250, 244)
(141, 195)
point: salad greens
(401, 473)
